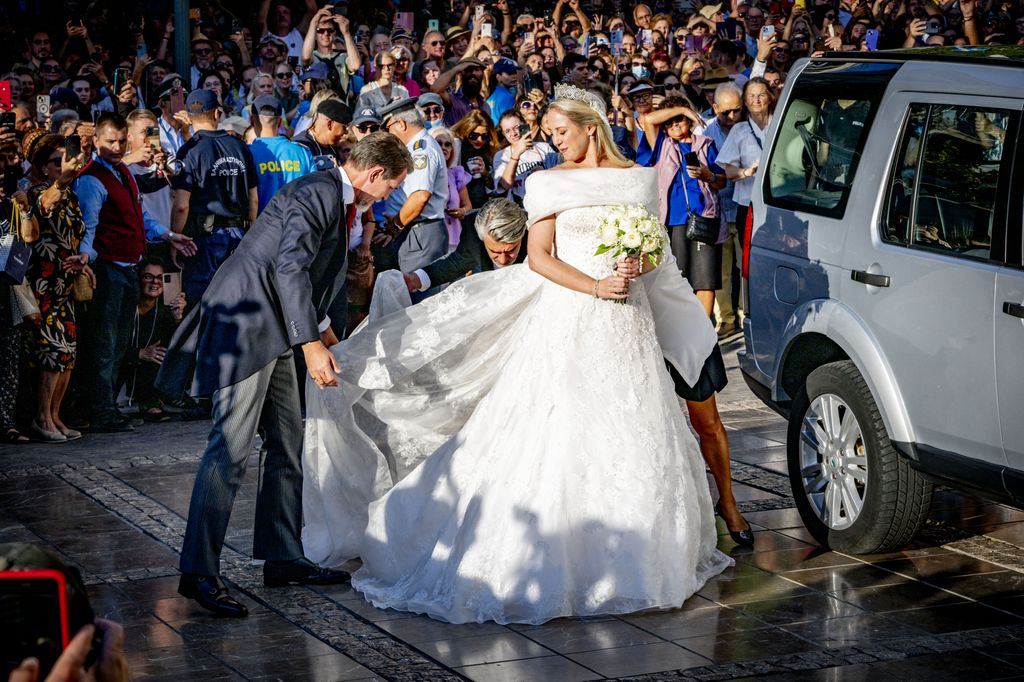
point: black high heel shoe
(743, 537)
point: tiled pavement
(950, 606)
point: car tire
(854, 492)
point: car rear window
(818, 143)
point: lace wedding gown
(512, 450)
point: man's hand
(343, 24)
(127, 95)
(142, 156)
(182, 120)
(328, 337)
(153, 353)
(181, 244)
(764, 47)
(321, 364)
(968, 8)
(70, 667)
(412, 281)
(915, 29)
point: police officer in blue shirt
(215, 196)
(416, 210)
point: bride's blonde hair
(584, 115)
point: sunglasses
(671, 86)
(446, 144)
(527, 104)
(47, 68)
(435, 43)
(432, 110)
(782, 50)
(477, 136)
(203, 51)
(326, 31)
(368, 127)
(224, 65)
(732, 112)
(595, 69)
(283, 76)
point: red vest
(121, 232)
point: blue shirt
(91, 197)
(278, 161)
(684, 194)
(500, 101)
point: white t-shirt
(293, 40)
(541, 157)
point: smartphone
(36, 618)
(524, 129)
(645, 37)
(767, 32)
(141, 50)
(486, 30)
(5, 95)
(236, 25)
(432, 25)
(172, 286)
(121, 76)
(478, 12)
(153, 136)
(72, 146)
(871, 39)
(727, 28)
(694, 43)
(616, 42)
(177, 99)
(7, 121)
(691, 159)
(42, 107)
(533, 81)
(405, 20)
(831, 30)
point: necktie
(350, 217)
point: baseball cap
(201, 101)
(430, 98)
(317, 71)
(271, 38)
(264, 102)
(366, 115)
(709, 11)
(505, 65)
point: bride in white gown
(512, 449)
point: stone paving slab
(949, 606)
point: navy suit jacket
(269, 295)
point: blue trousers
(111, 317)
(211, 251)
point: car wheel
(855, 493)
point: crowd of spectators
(133, 182)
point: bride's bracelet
(597, 283)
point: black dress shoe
(211, 593)
(743, 537)
(111, 425)
(301, 571)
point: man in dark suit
(270, 296)
(496, 242)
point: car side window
(818, 147)
(944, 186)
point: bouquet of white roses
(631, 230)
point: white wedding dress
(513, 451)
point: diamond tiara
(566, 91)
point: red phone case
(62, 594)
(5, 96)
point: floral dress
(59, 236)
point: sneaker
(728, 331)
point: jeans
(112, 317)
(211, 251)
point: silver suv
(885, 289)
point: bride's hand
(614, 287)
(628, 267)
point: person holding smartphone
(522, 157)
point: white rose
(650, 245)
(632, 239)
(646, 227)
(607, 233)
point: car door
(1009, 331)
(926, 287)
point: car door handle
(869, 278)
(1014, 309)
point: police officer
(215, 195)
(415, 212)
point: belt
(424, 221)
(211, 221)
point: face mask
(641, 72)
(434, 124)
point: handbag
(699, 228)
(14, 253)
(23, 303)
(81, 290)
